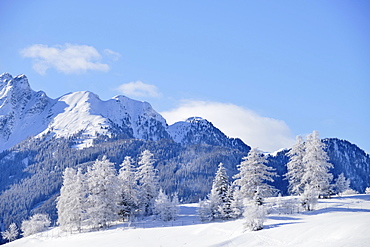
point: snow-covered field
(340, 221)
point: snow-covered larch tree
(104, 193)
(175, 204)
(309, 197)
(205, 211)
(341, 184)
(164, 207)
(236, 202)
(253, 174)
(12, 232)
(254, 213)
(129, 189)
(147, 179)
(36, 223)
(316, 166)
(296, 167)
(71, 202)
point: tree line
(101, 195)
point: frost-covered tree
(175, 205)
(129, 189)
(253, 174)
(367, 191)
(316, 166)
(226, 208)
(71, 204)
(164, 208)
(341, 184)
(220, 196)
(309, 197)
(36, 223)
(205, 210)
(12, 232)
(147, 182)
(236, 202)
(104, 193)
(296, 167)
(218, 205)
(254, 216)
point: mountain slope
(196, 130)
(84, 113)
(351, 160)
(23, 112)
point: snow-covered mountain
(84, 113)
(196, 130)
(25, 113)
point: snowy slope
(336, 222)
(84, 112)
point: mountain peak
(18, 82)
(21, 81)
(195, 120)
(5, 76)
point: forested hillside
(31, 174)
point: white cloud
(268, 134)
(112, 54)
(139, 89)
(66, 58)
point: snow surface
(340, 221)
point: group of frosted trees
(101, 196)
(244, 196)
(308, 175)
(308, 172)
(36, 223)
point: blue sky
(264, 71)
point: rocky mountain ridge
(24, 113)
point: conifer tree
(147, 182)
(341, 184)
(254, 213)
(309, 197)
(129, 190)
(205, 210)
(253, 174)
(104, 193)
(71, 202)
(296, 168)
(36, 223)
(12, 232)
(220, 196)
(164, 207)
(236, 204)
(316, 166)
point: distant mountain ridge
(24, 113)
